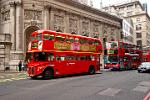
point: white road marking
(145, 83)
(109, 92)
(141, 89)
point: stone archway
(28, 32)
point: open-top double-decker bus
(52, 54)
(120, 56)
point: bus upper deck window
(90, 42)
(39, 37)
(76, 40)
(97, 43)
(46, 36)
(51, 37)
(82, 41)
(71, 39)
(60, 38)
(33, 38)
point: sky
(96, 3)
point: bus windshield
(29, 57)
(112, 59)
(40, 56)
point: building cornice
(130, 3)
(144, 13)
(90, 9)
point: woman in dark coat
(20, 65)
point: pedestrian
(20, 65)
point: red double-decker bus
(146, 56)
(121, 56)
(52, 54)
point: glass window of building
(139, 42)
(138, 35)
(138, 27)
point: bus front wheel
(91, 70)
(48, 74)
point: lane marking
(109, 92)
(145, 83)
(141, 89)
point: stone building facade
(19, 18)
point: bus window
(60, 38)
(82, 41)
(97, 42)
(90, 42)
(50, 57)
(92, 58)
(113, 59)
(51, 37)
(125, 59)
(70, 57)
(60, 58)
(40, 56)
(76, 40)
(33, 38)
(46, 36)
(39, 37)
(29, 57)
(34, 45)
(83, 58)
(71, 39)
(67, 39)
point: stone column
(90, 28)
(19, 26)
(51, 19)
(118, 34)
(46, 17)
(66, 24)
(100, 31)
(12, 24)
(80, 25)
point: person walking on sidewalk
(20, 65)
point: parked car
(144, 67)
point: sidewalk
(12, 75)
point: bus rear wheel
(48, 74)
(91, 70)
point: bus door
(82, 63)
(61, 65)
(71, 64)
